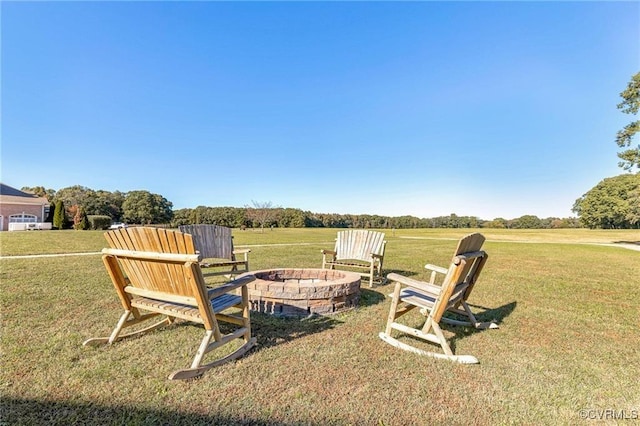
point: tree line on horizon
(614, 203)
(80, 207)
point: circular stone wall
(302, 292)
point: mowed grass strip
(568, 339)
(70, 241)
(50, 242)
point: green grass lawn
(568, 340)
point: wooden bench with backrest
(359, 249)
(155, 273)
(214, 243)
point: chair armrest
(244, 252)
(435, 268)
(332, 257)
(231, 285)
(410, 282)
(379, 256)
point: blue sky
(488, 109)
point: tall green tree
(76, 196)
(612, 204)
(182, 217)
(146, 208)
(633, 216)
(106, 203)
(80, 220)
(630, 105)
(59, 215)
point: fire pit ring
(302, 292)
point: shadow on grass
(273, 330)
(637, 243)
(369, 298)
(35, 412)
(496, 315)
(482, 314)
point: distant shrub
(99, 221)
(59, 216)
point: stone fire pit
(302, 292)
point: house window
(23, 218)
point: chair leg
(462, 359)
(197, 368)
(378, 272)
(213, 340)
(246, 314)
(476, 324)
(371, 273)
(234, 271)
(116, 331)
(202, 349)
(443, 341)
(473, 322)
(392, 310)
(124, 322)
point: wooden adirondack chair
(357, 249)
(156, 273)
(215, 244)
(435, 300)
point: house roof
(10, 195)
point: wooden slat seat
(424, 299)
(176, 310)
(186, 312)
(156, 272)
